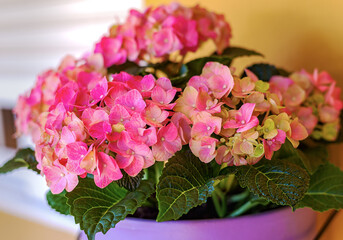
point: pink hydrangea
(107, 127)
(157, 33)
(313, 98)
(221, 111)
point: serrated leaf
(99, 209)
(23, 158)
(234, 52)
(195, 67)
(314, 157)
(326, 189)
(265, 71)
(130, 183)
(58, 202)
(282, 180)
(186, 182)
(288, 153)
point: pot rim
(273, 211)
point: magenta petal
(124, 161)
(253, 122)
(135, 167)
(107, 170)
(77, 150)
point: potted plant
(134, 130)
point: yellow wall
(292, 34)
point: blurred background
(36, 34)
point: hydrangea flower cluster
(95, 126)
(157, 33)
(314, 98)
(232, 120)
(42, 96)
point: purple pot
(275, 224)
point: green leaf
(58, 202)
(186, 182)
(129, 67)
(23, 158)
(195, 67)
(130, 183)
(314, 157)
(234, 52)
(99, 209)
(265, 71)
(281, 182)
(326, 189)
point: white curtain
(36, 34)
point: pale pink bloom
(137, 130)
(89, 160)
(163, 93)
(131, 47)
(107, 170)
(56, 117)
(274, 144)
(99, 92)
(92, 88)
(307, 118)
(96, 122)
(66, 138)
(186, 104)
(328, 114)
(243, 87)
(111, 50)
(67, 62)
(75, 125)
(204, 124)
(332, 97)
(204, 148)
(116, 89)
(132, 101)
(119, 114)
(262, 105)
(154, 116)
(144, 85)
(124, 77)
(322, 81)
(96, 62)
(76, 151)
(223, 155)
(165, 41)
(205, 102)
(219, 79)
(58, 178)
(297, 132)
(168, 143)
(131, 156)
(279, 85)
(182, 123)
(243, 119)
(198, 82)
(294, 96)
(118, 117)
(67, 95)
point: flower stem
(219, 202)
(244, 208)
